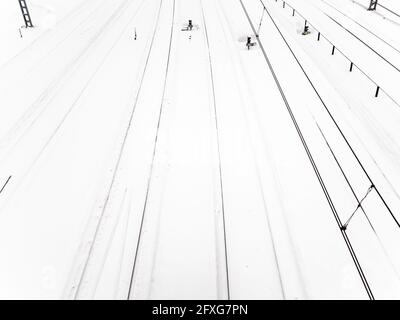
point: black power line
(310, 157)
(360, 25)
(149, 179)
(219, 152)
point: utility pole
(372, 5)
(25, 14)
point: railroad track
(217, 136)
(360, 25)
(342, 226)
(150, 177)
(39, 106)
(88, 254)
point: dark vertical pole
(319, 36)
(372, 5)
(333, 50)
(293, 13)
(351, 66)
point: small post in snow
(135, 35)
(25, 14)
(351, 66)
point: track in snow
(344, 175)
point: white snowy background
(172, 165)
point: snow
(169, 167)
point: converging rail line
(377, 4)
(82, 273)
(149, 179)
(334, 120)
(313, 164)
(389, 10)
(5, 184)
(218, 150)
(242, 73)
(342, 226)
(360, 25)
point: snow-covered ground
(141, 160)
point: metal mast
(25, 13)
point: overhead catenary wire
(312, 162)
(259, 25)
(359, 202)
(116, 167)
(363, 42)
(389, 10)
(378, 4)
